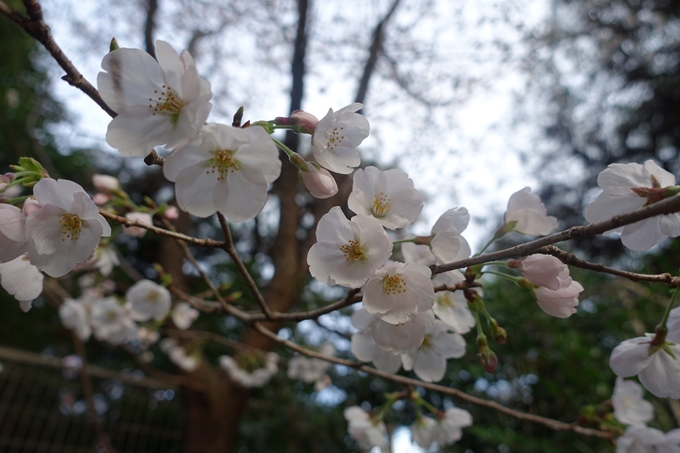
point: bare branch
(36, 27)
(568, 258)
(548, 422)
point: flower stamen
(71, 226)
(167, 103)
(394, 284)
(223, 162)
(353, 251)
(381, 203)
(335, 138)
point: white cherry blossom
(74, 315)
(258, 377)
(421, 254)
(347, 251)
(397, 292)
(183, 315)
(367, 431)
(141, 217)
(451, 306)
(529, 213)
(162, 102)
(544, 270)
(658, 372)
(641, 439)
(226, 169)
(105, 183)
(629, 406)
(423, 431)
(628, 187)
(451, 424)
(388, 196)
(310, 369)
(108, 318)
(105, 259)
(65, 230)
(337, 136)
(13, 239)
(22, 280)
(446, 241)
(148, 300)
(559, 303)
(428, 361)
(365, 348)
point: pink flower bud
(318, 181)
(6, 179)
(306, 122)
(105, 183)
(141, 217)
(172, 213)
(545, 270)
(488, 360)
(100, 199)
(30, 205)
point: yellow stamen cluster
(167, 102)
(71, 226)
(394, 284)
(222, 162)
(445, 300)
(381, 203)
(336, 137)
(427, 343)
(153, 296)
(353, 251)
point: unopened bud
(499, 333)
(114, 45)
(488, 360)
(304, 122)
(238, 117)
(320, 183)
(105, 183)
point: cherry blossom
(74, 315)
(529, 215)
(310, 369)
(108, 317)
(658, 368)
(369, 432)
(673, 325)
(183, 315)
(22, 280)
(559, 303)
(148, 300)
(420, 254)
(337, 136)
(141, 217)
(628, 187)
(388, 196)
(105, 183)
(428, 361)
(423, 431)
(365, 348)
(399, 291)
(446, 241)
(162, 102)
(451, 306)
(65, 230)
(255, 378)
(13, 239)
(543, 270)
(105, 259)
(641, 439)
(629, 406)
(178, 355)
(318, 181)
(347, 251)
(451, 424)
(227, 169)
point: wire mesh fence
(42, 409)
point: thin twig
(667, 206)
(548, 422)
(250, 283)
(568, 258)
(36, 27)
(210, 336)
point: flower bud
(499, 333)
(172, 213)
(100, 199)
(6, 179)
(30, 205)
(488, 360)
(545, 270)
(304, 122)
(318, 181)
(141, 217)
(105, 183)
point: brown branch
(548, 422)
(149, 25)
(36, 27)
(250, 283)
(210, 336)
(568, 258)
(667, 206)
(183, 237)
(86, 384)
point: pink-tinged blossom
(529, 213)
(183, 315)
(451, 306)
(148, 300)
(428, 361)
(22, 280)
(336, 138)
(629, 406)
(629, 187)
(545, 270)
(366, 349)
(141, 217)
(162, 102)
(388, 196)
(65, 230)
(368, 431)
(641, 439)
(74, 315)
(13, 239)
(258, 377)
(397, 292)
(227, 169)
(105, 183)
(559, 303)
(172, 213)
(446, 241)
(318, 181)
(658, 372)
(347, 251)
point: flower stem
(502, 275)
(285, 149)
(402, 241)
(664, 320)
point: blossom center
(336, 137)
(353, 251)
(381, 203)
(71, 226)
(153, 296)
(394, 284)
(111, 315)
(223, 163)
(167, 103)
(445, 300)
(427, 343)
